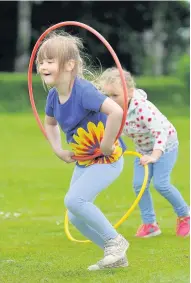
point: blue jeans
(160, 172)
(85, 185)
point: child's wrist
(58, 151)
(156, 154)
(154, 159)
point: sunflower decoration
(88, 143)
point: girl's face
(49, 71)
(116, 93)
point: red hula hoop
(112, 52)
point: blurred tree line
(149, 37)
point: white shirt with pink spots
(148, 127)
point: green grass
(33, 246)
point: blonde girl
(90, 122)
(156, 139)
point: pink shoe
(183, 226)
(148, 230)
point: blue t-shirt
(82, 122)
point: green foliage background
(172, 91)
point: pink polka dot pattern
(148, 128)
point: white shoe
(123, 262)
(114, 250)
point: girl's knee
(69, 201)
(161, 186)
(72, 203)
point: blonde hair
(63, 47)
(112, 75)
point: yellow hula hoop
(125, 216)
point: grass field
(33, 246)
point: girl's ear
(69, 66)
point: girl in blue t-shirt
(90, 122)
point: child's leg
(161, 178)
(94, 179)
(146, 203)
(85, 229)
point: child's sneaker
(183, 226)
(123, 262)
(114, 251)
(148, 230)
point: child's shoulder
(139, 99)
(140, 96)
(52, 92)
(140, 103)
(84, 84)
(86, 89)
